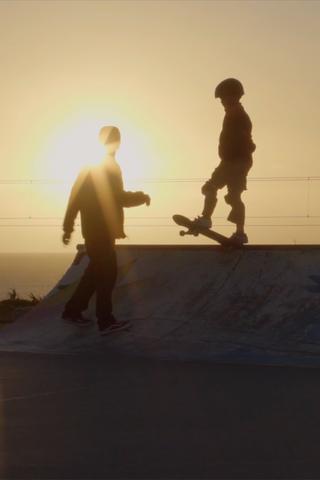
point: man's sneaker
(76, 319)
(202, 222)
(109, 327)
(239, 238)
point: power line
(30, 217)
(159, 218)
(167, 225)
(161, 180)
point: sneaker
(239, 238)
(76, 319)
(109, 327)
(202, 222)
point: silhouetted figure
(99, 196)
(235, 150)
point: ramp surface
(258, 304)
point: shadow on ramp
(254, 305)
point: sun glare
(75, 144)
(69, 149)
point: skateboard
(185, 222)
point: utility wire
(29, 217)
(161, 180)
(168, 226)
(165, 180)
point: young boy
(235, 150)
(99, 196)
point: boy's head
(229, 91)
(111, 138)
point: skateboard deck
(185, 222)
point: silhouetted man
(235, 150)
(99, 196)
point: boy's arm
(129, 199)
(134, 199)
(237, 138)
(243, 135)
(72, 208)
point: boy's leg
(108, 275)
(80, 299)
(237, 183)
(210, 199)
(105, 274)
(210, 189)
(237, 214)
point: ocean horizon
(31, 273)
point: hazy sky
(150, 67)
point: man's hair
(109, 134)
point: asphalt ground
(80, 417)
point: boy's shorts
(230, 174)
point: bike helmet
(229, 87)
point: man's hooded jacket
(99, 196)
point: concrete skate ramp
(258, 304)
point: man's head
(229, 91)
(111, 138)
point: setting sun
(74, 144)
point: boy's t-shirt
(235, 142)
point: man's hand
(147, 200)
(66, 238)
